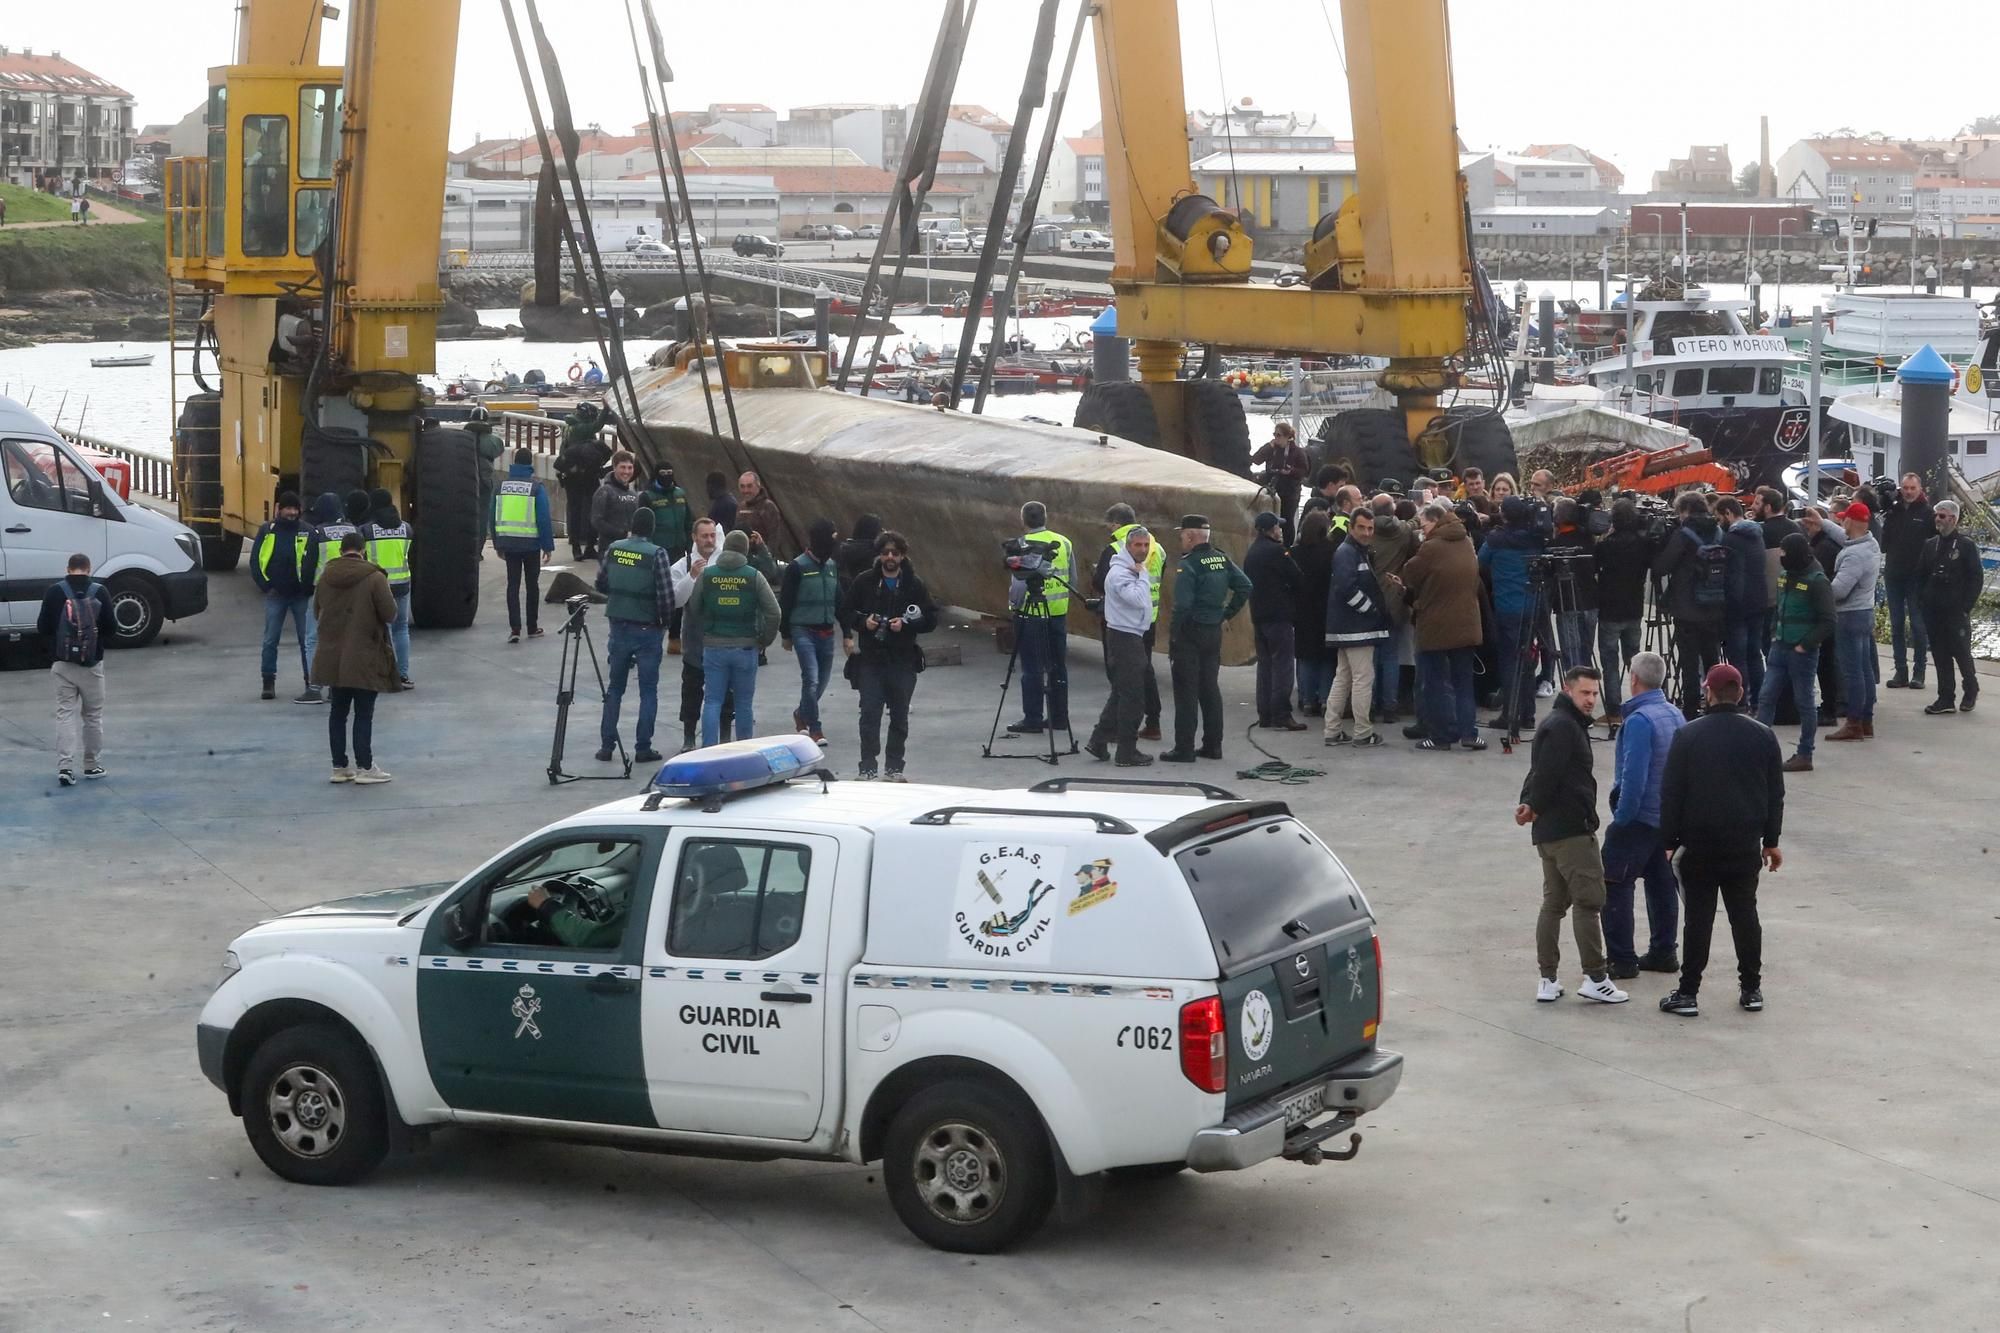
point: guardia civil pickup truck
(995, 994)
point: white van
(53, 505)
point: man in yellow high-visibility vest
(388, 537)
(1041, 628)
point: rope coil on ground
(1275, 769)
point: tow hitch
(1305, 1147)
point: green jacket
(1209, 588)
(576, 931)
(1804, 611)
(673, 521)
(634, 577)
(748, 623)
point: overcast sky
(1634, 83)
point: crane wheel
(1480, 438)
(1119, 407)
(331, 463)
(1372, 442)
(1219, 427)
(444, 555)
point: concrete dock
(1826, 1164)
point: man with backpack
(1695, 565)
(76, 622)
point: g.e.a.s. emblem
(1258, 1024)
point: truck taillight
(1204, 1052)
(1369, 1030)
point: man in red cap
(1855, 571)
(1722, 804)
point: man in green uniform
(1208, 590)
(634, 575)
(738, 617)
(580, 922)
(487, 443)
(673, 529)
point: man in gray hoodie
(1855, 570)
(735, 614)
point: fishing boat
(130, 359)
(1692, 362)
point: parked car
(841, 233)
(992, 993)
(634, 241)
(1089, 240)
(955, 243)
(814, 231)
(651, 250)
(752, 246)
(868, 231)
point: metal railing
(796, 276)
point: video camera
(1032, 562)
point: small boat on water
(134, 359)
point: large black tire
(1122, 408)
(220, 554)
(331, 463)
(1372, 442)
(968, 1167)
(1479, 438)
(138, 609)
(313, 1106)
(1220, 428)
(444, 555)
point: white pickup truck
(993, 993)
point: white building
(1544, 220)
(487, 215)
(1857, 177)
(1246, 127)
(59, 121)
(1289, 192)
(1945, 205)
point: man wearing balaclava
(810, 602)
(1801, 621)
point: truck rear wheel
(314, 1108)
(968, 1167)
(1373, 443)
(1221, 428)
(1119, 407)
(444, 555)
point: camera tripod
(1035, 603)
(576, 645)
(1552, 595)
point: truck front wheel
(968, 1167)
(314, 1108)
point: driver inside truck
(581, 913)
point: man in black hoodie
(1949, 580)
(1695, 565)
(1274, 587)
(1624, 557)
(76, 623)
(1906, 528)
(1722, 803)
(810, 598)
(1559, 798)
(887, 608)
(283, 561)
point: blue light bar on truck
(762, 761)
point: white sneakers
(376, 773)
(1550, 990)
(1601, 991)
(342, 774)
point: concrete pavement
(1826, 1164)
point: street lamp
(1756, 286)
(1965, 275)
(617, 308)
(1930, 279)
(1778, 306)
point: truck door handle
(606, 984)
(786, 997)
(20, 527)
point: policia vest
(329, 538)
(628, 572)
(729, 604)
(390, 549)
(301, 540)
(1156, 562)
(1063, 558)
(514, 510)
(819, 590)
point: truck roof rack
(1059, 786)
(1105, 823)
(1214, 819)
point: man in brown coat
(354, 608)
(1442, 583)
(759, 516)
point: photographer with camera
(887, 608)
(1128, 615)
(1041, 626)
(1748, 601)
(579, 468)
(1695, 566)
(1576, 621)
(1208, 590)
(1623, 559)
(1504, 559)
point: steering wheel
(523, 923)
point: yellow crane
(1388, 272)
(309, 233)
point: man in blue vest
(282, 561)
(524, 534)
(810, 604)
(388, 538)
(633, 575)
(1041, 627)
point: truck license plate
(1303, 1106)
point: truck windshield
(1266, 890)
